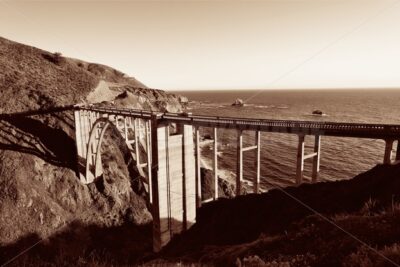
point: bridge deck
(342, 129)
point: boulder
(238, 103)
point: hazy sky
(221, 44)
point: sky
(225, 44)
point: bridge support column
(239, 162)
(78, 140)
(215, 164)
(157, 136)
(189, 178)
(256, 183)
(198, 170)
(137, 137)
(387, 159)
(316, 158)
(82, 131)
(149, 164)
(173, 182)
(300, 160)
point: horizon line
(282, 89)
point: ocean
(341, 158)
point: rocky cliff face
(40, 193)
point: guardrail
(363, 130)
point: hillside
(31, 78)
(40, 193)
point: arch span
(136, 135)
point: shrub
(370, 207)
(55, 58)
(365, 257)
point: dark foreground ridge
(271, 225)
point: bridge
(166, 150)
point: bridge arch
(133, 132)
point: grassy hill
(32, 78)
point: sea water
(341, 158)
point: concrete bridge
(165, 149)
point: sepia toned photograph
(194, 133)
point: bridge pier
(316, 155)
(398, 151)
(173, 181)
(300, 159)
(387, 158)
(239, 161)
(78, 140)
(198, 170)
(83, 130)
(149, 163)
(215, 164)
(256, 182)
(316, 158)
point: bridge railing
(323, 127)
(328, 128)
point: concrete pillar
(300, 160)
(98, 163)
(126, 129)
(256, 183)
(157, 136)
(239, 162)
(215, 165)
(78, 142)
(189, 178)
(78, 133)
(149, 172)
(173, 182)
(388, 151)
(94, 166)
(84, 132)
(198, 171)
(92, 121)
(316, 158)
(137, 150)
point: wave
(257, 106)
(317, 115)
(206, 162)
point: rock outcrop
(238, 103)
